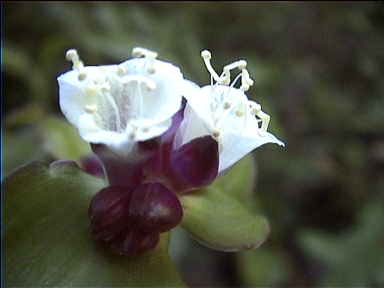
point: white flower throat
(114, 98)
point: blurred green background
(318, 72)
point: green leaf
(339, 252)
(217, 216)
(62, 140)
(47, 239)
(239, 181)
(263, 268)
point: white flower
(118, 105)
(224, 112)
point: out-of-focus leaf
(47, 238)
(262, 268)
(217, 218)
(26, 115)
(62, 140)
(16, 152)
(340, 253)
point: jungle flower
(119, 105)
(224, 112)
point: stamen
(216, 134)
(227, 105)
(91, 91)
(255, 108)
(206, 55)
(142, 52)
(150, 55)
(73, 56)
(241, 64)
(236, 79)
(82, 76)
(121, 71)
(149, 84)
(239, 113)
(90, 108)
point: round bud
(109, 212)
(135, 242)
(155, 208)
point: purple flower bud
(109, 212)
(92, 165)
(195, 164)
(155, 208)
(135, 242)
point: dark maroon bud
(155, 208)
(135, 242)
(92, 165)
(109, 212)
(196, 163)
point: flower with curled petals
(119, 105)
(224, 112)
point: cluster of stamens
(102, 87)
(246, 83)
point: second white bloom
(224, 112)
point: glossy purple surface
(155, 208)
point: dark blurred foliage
(318, 69)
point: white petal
(234, 147)
(118, 142)
(190, 128)
(163, 101)
(145, 132)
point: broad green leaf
(218, 215)
(62, 140)
(47, 239)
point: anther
(73, 56)
(91, 108)
(121, 70)
(239, 113)
(227, 105)
(82, 76)
(149, 84)
(151, 69)
(242, 64)
(140, 52)
(216, 134)
(205, 54)
(91, 91)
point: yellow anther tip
(242, 64)
(82, 76)
(71, 54)
(151, 70)
(139, 52)
(239, 113)
(216, 134)
(206, 54)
